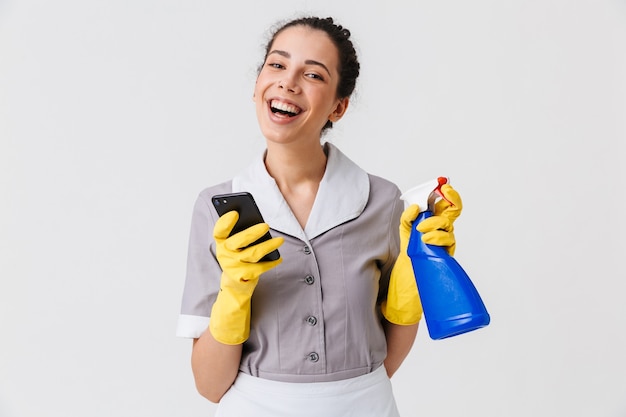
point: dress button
(313, 357)
(311, 320)
(307, 250)
(309, 279)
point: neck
(292, 166)
(298, 171)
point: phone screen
(249, 215)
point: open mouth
(285, 109)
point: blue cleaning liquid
(451, 303)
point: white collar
(342, 195)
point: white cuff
(191, 327)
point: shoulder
(202, 209)
(381, 188)
(384, 200)
(207, 193)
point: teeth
(284, 107)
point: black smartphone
(249, 215)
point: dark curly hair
(349, 66)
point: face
(295, 92)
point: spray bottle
(451, 303)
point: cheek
(256, 94)
(325, 101)
(261, 85)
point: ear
(340, 110)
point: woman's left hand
(439, 229)
(403, 305)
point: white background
(115, 114)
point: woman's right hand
(239, 260)
(241, 269)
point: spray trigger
(441, 181)
(427, 194)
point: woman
(321, 330)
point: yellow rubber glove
(241, 269)
(439, 229)
(403, 305)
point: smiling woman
(321, 330)
(296, 92)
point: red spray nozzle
(441, 181)
(425, 194)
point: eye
(314, 76)
(275, 65)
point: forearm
(214, 365)
(399, 342)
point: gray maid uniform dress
(316, 341)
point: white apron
(369, 395)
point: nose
(288, 83)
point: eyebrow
(308, 61)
